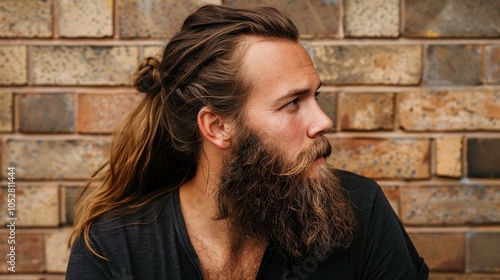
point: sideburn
(264, 196)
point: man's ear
(214, 128)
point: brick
(6, 112)
(83, 65)
(13, 65)
(71, 194)
(450, 18)
(482, 157)
(388, 65)
(492, 65)
(91, 18)
(371, 18)
(154, 18)
(441, 251)
(449, 110)
(449, 157)
(327, 101)
(483, 252)
(148, 51)
(101, 113)
(450, 205)
(311, 17)
(383, 158)
(36, 205)
(392, 195)
(56, 159)
(56, 250)
(29, 253)
(452, 65)
(366, 111)
(26, 18)
(49, 113)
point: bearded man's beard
(300, 209)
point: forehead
(275, 67)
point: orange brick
(101, 113)
(6, 117)
(56, 250)
(383, 158)
(13, 65)
(449, 157)
(483, 253)
(441, 251)
(366, 111)
(49, 113)
(28, 251)
(387, 65)
(492, 65)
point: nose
(319, 123)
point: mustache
(306, 158)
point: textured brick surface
(366, 111)
(26, 18)
(46, 113)
(450, 205)
(152, 51)
(449, 110)
(101, 113)
(56, 159)
(371, 18)
(29, 253)
(89, 65)
(483, 252)
(390, 65)
(328, 103)
(71, 194)
(91, 18)
(311, 17)
(6, 112)
(492, 64)
(452, 65)
(441, 251)
(450, 18)
(483, 157)
(383, 158)
(13, 61)
(36, 206)
(449, 157)
(154, 18)
(56, 250)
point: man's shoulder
(363, 192)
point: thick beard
(300, 209)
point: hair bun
(147, 78)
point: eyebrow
(297, 93)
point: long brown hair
(155, 149)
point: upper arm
(83, 264)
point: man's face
(282, 106)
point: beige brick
(148, 51)
(13, 65)
(449, 157)
(450, 18)
(388, 65)
(49, 113)
(56, 159)
(371, 18)
(450, 205)
(366, 111)
(449, 110)
(6, 112)
(90, 18)
(441, 251)
(155, 18)
(483, 252)
(492, 65)
(29, 253)
(311, 17)
(56, 250)
(36, 205)
(83, 65)
(452, 65)
(26, 18)
(383, 158)
(101, 113)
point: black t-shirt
(154, 244)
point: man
(220, 172)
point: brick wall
(413, 87)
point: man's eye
(292, 103)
